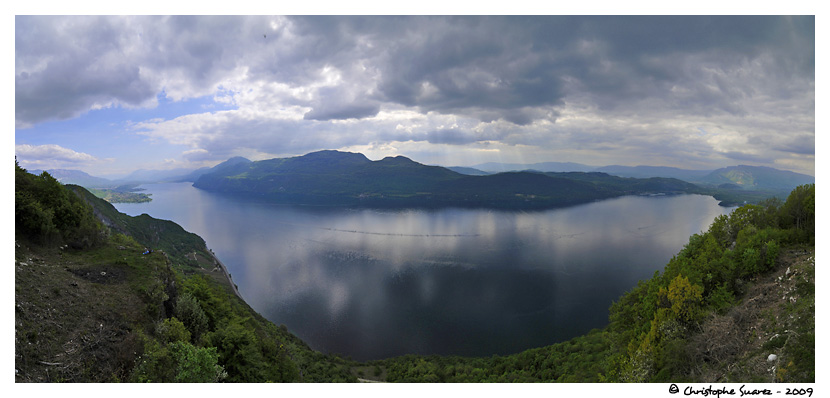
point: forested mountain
(343, 178)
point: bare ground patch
(736, 346)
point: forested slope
(134, 299)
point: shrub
(191, 314)
(721, 298)
(196, 365)
(172, 330)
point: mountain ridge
(757, 177)
(733, 184)
(351, 179)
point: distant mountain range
(738, 177)
(141, 176)
(345, 178)
(558, 167)
(654, 171)
(327, 177)
(76, 177)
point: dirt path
(227, 274)
(218, 264)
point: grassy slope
(78, 313)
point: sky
(112, 94)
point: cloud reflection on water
(372, 284)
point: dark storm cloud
(339, 103)
(640, 85)
(800, 145)
(469, 66)
(483, 67)
(747, 157)
(343, 111)
(70, 74)
(465, 64)
(448, 136)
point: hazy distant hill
(143, 176)
(344, 178)
(654, 171)
(493, 167)
(76, 177)
(757, 178)
(112, 191)
(232, 162)
(468, 171)
(631, 185)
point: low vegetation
(101, 296)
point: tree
(800, 207)
(685, 299)
(239, 353)
(190, 312)
(172, 330)
(196, 365)
(48, 212)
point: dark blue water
(378, 283)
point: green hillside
(104, 297)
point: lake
(372, 284)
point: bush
(196, 365)
(179, 362)
(191, 314)
(47, 212)
(172, 330)
(685, 299)
(721, 299)
(239, 353)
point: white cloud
(53, 157)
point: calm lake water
(379, 283)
